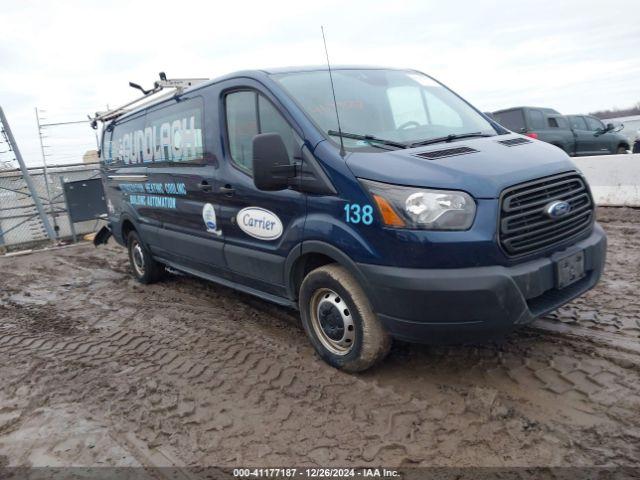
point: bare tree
(618, 112)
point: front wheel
(621, 150)
(145, 269)
(339, 320)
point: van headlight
(422, 208)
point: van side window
(270, 121)
(169, 132)
(106, 148)
(249, 113)
(173, 133)
(126, 145)
(553, 123)
(242, 126)
(537, 119)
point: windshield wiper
(367, 138)
(449, 138)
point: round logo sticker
(209, 217)
(259, 223)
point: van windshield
(396, 105)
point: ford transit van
(406, 213)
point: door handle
(204, 186)
(228, 190)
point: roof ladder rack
(177, 84)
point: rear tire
(339, 320)
(145, 269)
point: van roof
(258, 73)
(312, 68)
(293, 69)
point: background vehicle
(630, 125)
(575, 134)
(592, 135)
(414, 218)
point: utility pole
(25, 174)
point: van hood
(483, 172)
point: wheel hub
(332, 321)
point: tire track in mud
(140, 350)
(240, 371)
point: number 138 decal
(355, 213)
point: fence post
(26, 176)
(66, 202)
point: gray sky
(74, 57)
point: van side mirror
(272, 170)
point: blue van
(407, 213)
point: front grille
(449, 152)
(524, 226)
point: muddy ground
(97, 370)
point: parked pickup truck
(575, 134)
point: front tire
(339, 320)
(621, 150)
(145, 269)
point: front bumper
(475, 304)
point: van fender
(118, 225)
(129, 214)
(323, 248)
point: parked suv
(575, 134)
(414, 216)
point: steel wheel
(144, 267)
(332, 321)
(137, 255)
(339, 321)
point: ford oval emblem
(557, 209)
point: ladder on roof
(177, 84)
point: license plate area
(570, 269)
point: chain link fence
(20, 225)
